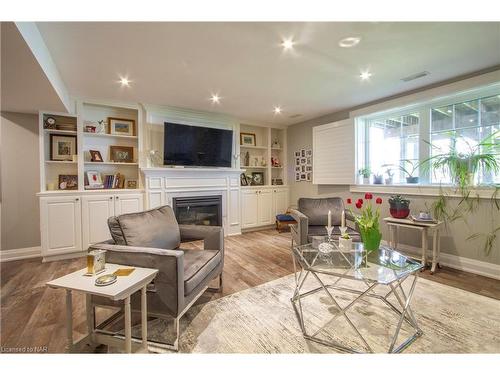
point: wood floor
(33, 316)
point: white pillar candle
(329, 218)
(343, 219)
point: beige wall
(454, 238)
(20, 181)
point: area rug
(262, 320)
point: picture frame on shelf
(121, 126)
(277, 181)
(257, 178)
(68, 182)
(49, 123)
(94, 179)
(248, 139)
(131, 184)
(63, 147)
(121, 154)
(243, 180)
(95, 156)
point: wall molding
(474, 266)
(18, 254)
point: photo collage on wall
(303, 165)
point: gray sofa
(312, 217)
(153, 239)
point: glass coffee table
(384, 269)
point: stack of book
(114, 181)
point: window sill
(421, 190)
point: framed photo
(121, 154)
(247, 139)
(121, 126)
(297, 161)
(257, 178)
(277, 181)
(309, 176)
(309, 168)
(95, 156)
(302, 176)
(303, 161)
(297, 154)
(297, 168)
(302, 168)
(309, 153)
(131, 184)
(297, 177)
(68, 182)
(303, 153)
(62, 147)
(94, 178)
(243, 180)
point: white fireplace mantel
(163, 184)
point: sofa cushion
(316, 209)
(154, 228)
(197, 265)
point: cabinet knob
(77, 199)
(110, 198)
(117, 197)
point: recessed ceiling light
(349, 42)
(215, 98)
(449, 111)
(287, 44)
(365, 75)
(124, 81)
(277, 110)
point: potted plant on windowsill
(368, 221)
(390, 175)
(399, 206)
(378, 178)
(365, 174)
(409, 168)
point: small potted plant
(365, 174)
(378, 178)
(345, 242)
(409, 168)
(399, 206)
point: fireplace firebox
(205, 210)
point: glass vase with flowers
(368, 220)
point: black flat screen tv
(197, 146)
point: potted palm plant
(408, 167)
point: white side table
(394, 225)
(122, 289)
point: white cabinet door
(249, 208)
(128, 203)
(60, 223)
(96, 210)
(265, 204)
(280, 201)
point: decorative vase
(378, 180)
(345, 244)
(371, 239)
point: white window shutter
(334, 153)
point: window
(393, 145)
(397, 142)
(466, 124)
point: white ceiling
(181, 64)
(25, 87)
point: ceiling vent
(415, 76)
(295, 116)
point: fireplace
(198, 210)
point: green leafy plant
(399, 200)
(462, 166)
(365, 172)
(408, 167)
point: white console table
(394, 225)
(122, 289)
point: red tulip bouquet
(368, 221)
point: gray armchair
(153, 239)
(312, 217)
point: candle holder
(329, 231)
(343, 230)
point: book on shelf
(114, 181)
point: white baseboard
(459, 263)
(18, 254)
(52, 258)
